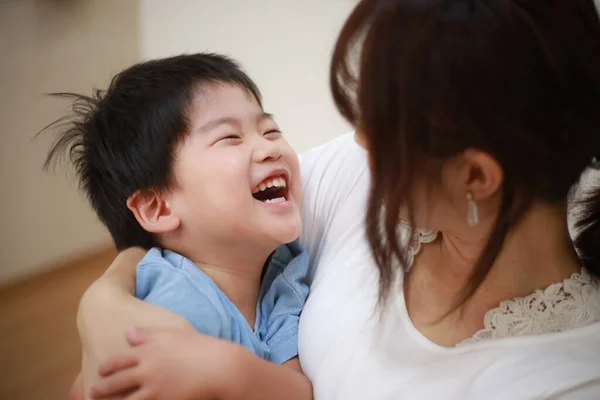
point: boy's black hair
(122, 140)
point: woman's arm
(260, 379)
(187, 365)
(109, 307)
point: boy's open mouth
(274, 189)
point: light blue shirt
(170, 280)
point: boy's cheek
(297, 193)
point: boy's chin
(286, 234)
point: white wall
(45, 46)
(284, 45)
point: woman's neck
(536, 253)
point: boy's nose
(267, 150)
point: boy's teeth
(276, 200)
(272, 182)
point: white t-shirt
(349, 351)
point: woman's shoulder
(546, 344)
(332, 149)
(561, 307)
(545, 366)
(332, 166)
(336, 180)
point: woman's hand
(180, 364)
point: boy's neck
(242, 287)
(236, 270)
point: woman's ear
(153, 212)
(481, 173)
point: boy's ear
(153, 212)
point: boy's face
(237, 181)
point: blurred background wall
(51, 46)
(74, 45)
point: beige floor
(39, 346)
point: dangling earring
(472, 211)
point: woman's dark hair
(123, 140)
(427, 79)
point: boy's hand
(180, 364)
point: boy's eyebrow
(210, 125)
(263, 116)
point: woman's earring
(473, 211)
(595, 163)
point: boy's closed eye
(230, 137)
(273, 133)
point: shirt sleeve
(282, 303)
(336, 182)
(160, 283)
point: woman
(478, 119)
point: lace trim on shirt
(570, 304)
(420, 237)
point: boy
(178, 157)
